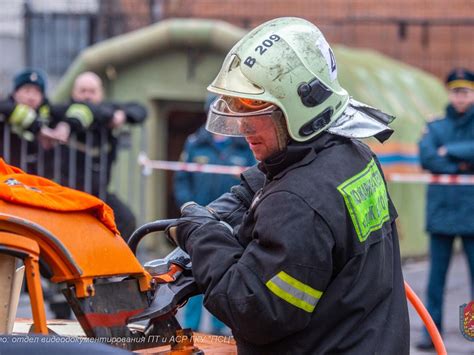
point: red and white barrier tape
(148, 165)
(442, 179)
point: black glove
(79, 116)
(193, 216)
(83, 116)
(135, 112)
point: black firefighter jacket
(315, 266)
(18, 143)
(101, 137)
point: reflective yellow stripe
(44, 113)
(22, 116)
(82, 113)
(289, 297)
(294, 292)
(299, 285)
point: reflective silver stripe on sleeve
(294, 292)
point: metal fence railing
(86, 162)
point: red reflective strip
(110, 320)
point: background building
(433, 35)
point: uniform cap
(460, 78)
(30, 76)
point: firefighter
(314, 265)
(27, 116)
(88, 113)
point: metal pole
(23, 154)
(40, 161)
(103, 170)
(57, 164)
(72, 160)
(88, 163)
(131, 172)
(143, 180)
(6, 141)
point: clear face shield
(236, 117)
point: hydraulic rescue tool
(104, 283)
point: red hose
(426, 318)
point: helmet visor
(233, 116)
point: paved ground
(457, 293)
(415, 272)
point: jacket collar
(460, 119)
(297, 154)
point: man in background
(96, 124)
(447, 148)
(26, 116)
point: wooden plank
(7, 277)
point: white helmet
(285, 66)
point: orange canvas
(21, 188)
